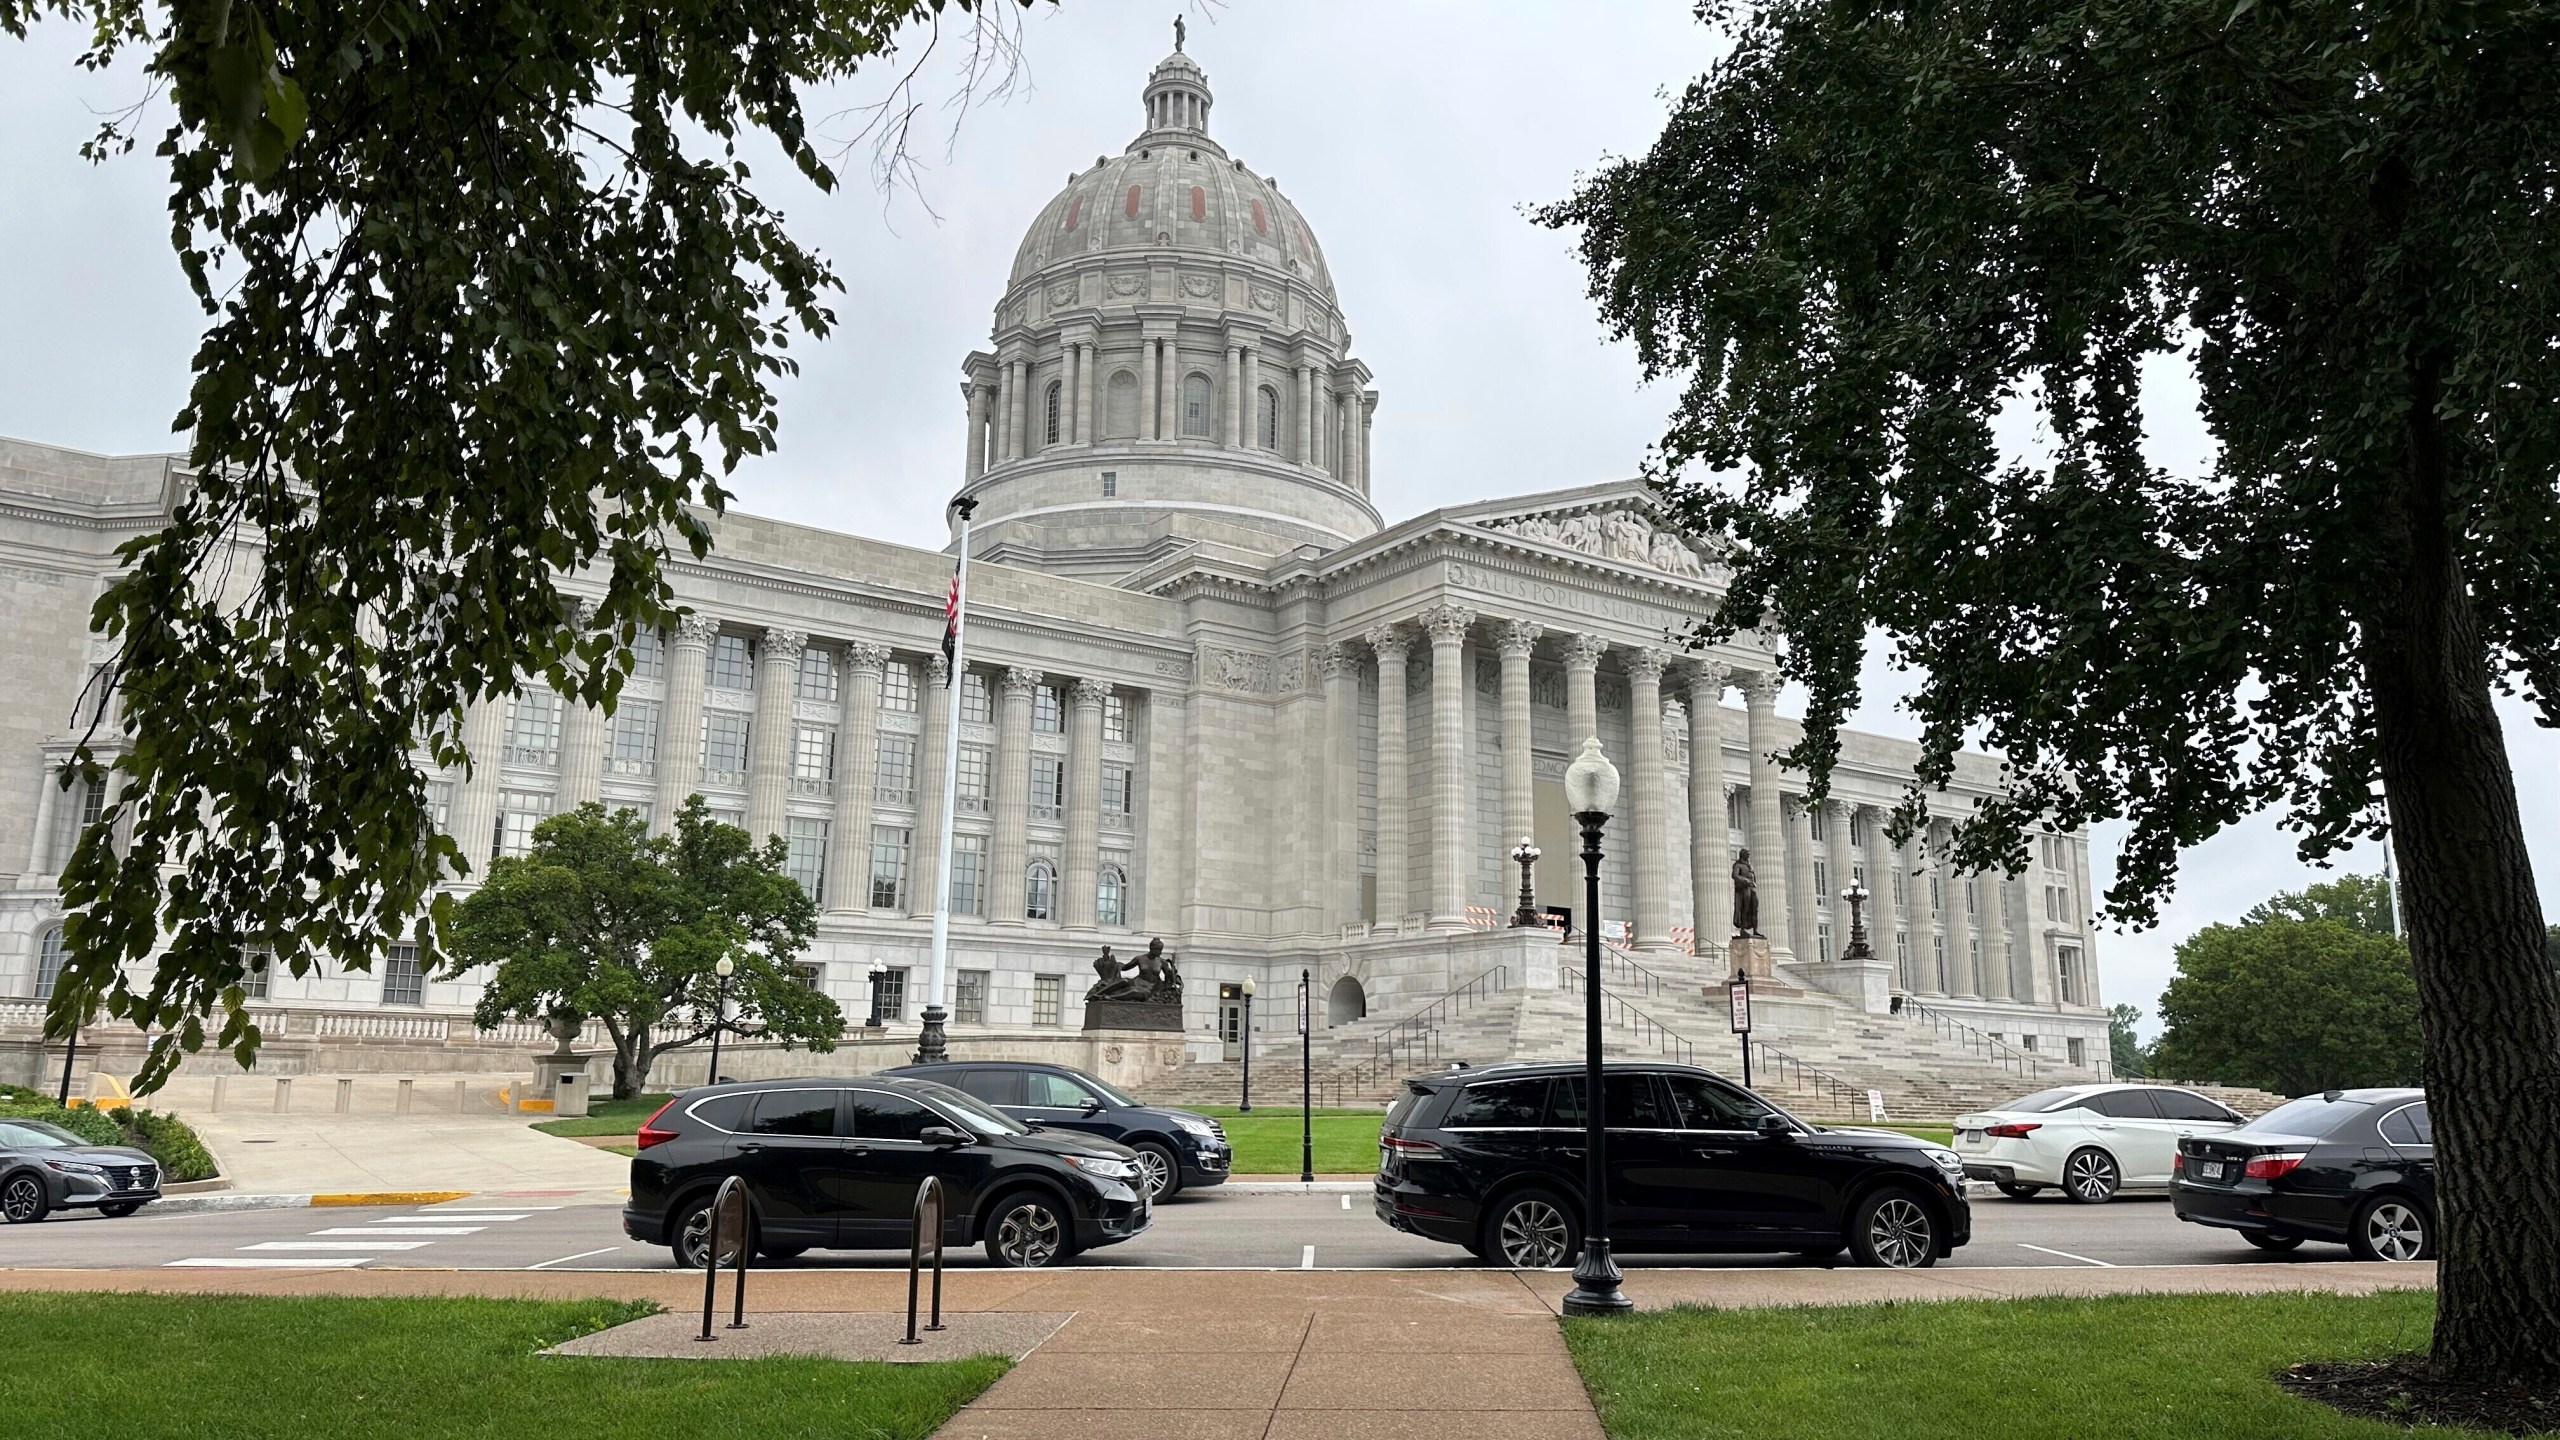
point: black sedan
(1493, 1159)
(44, 1168)
(1175, 1147)
(837, 1163)
(2357, 1166)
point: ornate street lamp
(878, 973)
(1244, 1102)
(1857, 897)
(1525, 855)
(1590, 789)
(724, 967)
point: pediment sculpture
(1626, 536)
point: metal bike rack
(723, 1211)
(928, 1223)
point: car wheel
(1027, 1232)
(22, 1199)
(2016, 1191)
(1532, 1230)
(2269, 1240)
(2090, 1176)
(693, 1236)
(1893, 1228)
(1162, 1172)
(119, 1209)
(2392, 1228)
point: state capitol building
(1211, 694)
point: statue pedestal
(1750, 957)
(1133, 1015)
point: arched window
(48, 963)
(1347, 1003)
(1195, 406)
(1051, 404)
(1120, 406)
(1039, 890)
(1111, 897)
(1267, 425)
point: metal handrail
(734, 1186)
(1412, 1041)
(1822, 1083)
(926, 1221)
(1644, 981)
(2027, 1065)
(1648, 1030)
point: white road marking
(439, 1219)
(366, 1245)
(581, 1255)
(492, 1211)
(245, 1262)
(1307, 1258)
(1346, 1202)
(402, 1230)
(2067, 1255)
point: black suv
(2351, 1165)
(835, 1164)
(1492, 1159)
(1175, 1147)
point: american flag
(951, 619)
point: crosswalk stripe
(249, 1262)
(438, 1219)
(365, 1245)
(486, 1209)
(401, 1230)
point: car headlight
(1199, 1125)
(77, 1167)
(1104, 1166)
(1948, 1160)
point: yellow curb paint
(391, 1197)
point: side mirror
(942, 1135)
(1774, 1126)
(1092, 1106)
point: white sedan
(2089, 1141)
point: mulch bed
(2401, 1391)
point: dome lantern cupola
(1177, 94)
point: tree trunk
(2488, 1001)
(630, 1063)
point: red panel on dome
(1260, 225)
(1129, 207)
(1075, 208)
(1199, 203)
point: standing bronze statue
(1746, 898)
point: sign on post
(1875, 1105)
(1739, 993)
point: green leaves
(2292, 1006)
(262, 110)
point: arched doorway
(1347, 1003)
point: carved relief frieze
(1125, 285)
(1625, 535)
(1200, 287)
(1062, 293)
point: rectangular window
(1902, 949)
(440, 804)
(1898, 900)
(631, 739)
(2067, 961)
(724, 747)
(968, 874)
(2078, 1050)
(1117, 783)
(1822, 883)
(403, 983)
(812, 978)
(805, 855)
(976, 704)
(969, 997)
(1972, 895)
(1110, 483)
(976, 763)
(1048, 998)
(262, 964)
(518, 812)
(1048, 711)
(1813, 824)
(1048, 787)
(730, 668)
(893, 994)
(533, 729)
(1938, 960)
(813, 753)
(1821, 942)
(889, 867)
(1937, 901)
(898, 687)
(648, 656)
(897, 784)
(816, 682)
(1115, 719)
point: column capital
(696, 629)
(1517, 637)
(1707, 681)
(1089, 691)
(1019, 682)
(1759, 687)
(866, 655)
(1644, 664)
(1447, 624)
(586, 611)
(1584, 651)
(1388, 640)
(937, 670)
(780, 644)
(1334, 661)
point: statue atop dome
(1177, 34)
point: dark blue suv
(1175, 1147)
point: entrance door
(1231, 1021)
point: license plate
(2209, 1169)
(1969, 1136)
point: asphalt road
(1211, 1229)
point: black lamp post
(1590, 788)
(1306, 1077)
(1524, 855)
(724, 968)
(1244, 1102)
(877, 971)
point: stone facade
(1209, 695)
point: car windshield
(2312, 1115)
(35, 1135)
(2044, 1100)
(969, 1110)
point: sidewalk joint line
(581, 1255)
(1282, 1393)
(2067, 1255)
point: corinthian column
(1581, 689)
(581, 740)
(1230, 435)
(932, 759)
(1963, 983)
(769, 755)
(1084, 802)
(1447, 626)
(1341, 672)
(475, 810)
(1013, 795)
(974, 454)
(680, 728)
(1881, 917)
(1652, 825)
(1768, 827)
(1150, 362)
(1710, 869)
(1514, 638)
(1798, 818)
(1998, 982)
(1395, 809)
(857, 774)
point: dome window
(1267, 427)
(1075, 211)
(1050, 405)
(1129, 207)
(1261, 225)
(1195, 406)
(1199, 203)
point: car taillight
(650, 1134)
(1401, 1146)
(2016, 1130)
(2178, 1163)
(2269, 1167)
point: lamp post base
(930, 1049)
(1595, 1284)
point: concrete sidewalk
(297, 1154)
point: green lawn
(232, 1368)
(1267, 1141)
(607, 1117)
(2158, 1367)
(1943, 1134)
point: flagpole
(929, 1046)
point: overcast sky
(1409, 133)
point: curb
(1289, 1187)
(390, 1197)
(206, 1204)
